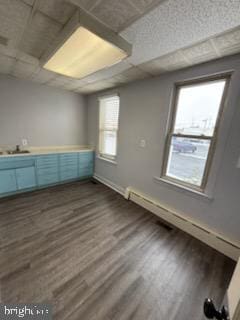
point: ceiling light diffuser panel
(84, 47)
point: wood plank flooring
(96, 256)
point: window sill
(107, 160)
(184, 189)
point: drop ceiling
(166, 35)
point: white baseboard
(110, 184)
(216, 241)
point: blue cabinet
(47, 170)
(7, 181)
(68, 164)
(85, 164)
(26, 178)
(31, 172)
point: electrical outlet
(143, 143)
(24, 142)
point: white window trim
(199, 190)
(207, 196)
(107, 96)
(100, 155)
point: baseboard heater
(211, 238)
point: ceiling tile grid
(42, 76)
(39, 35)
(13, 17)
(59, 81)
(29, 2)
(23, 70)
(8, 51)
(114, 13)
(177, 24)
(24, 57)
(6, 64)
(59, 10)
(201, 52)
(96, 86)
(85, 4)
(228, 43)
(170, 62)
(108, 72)
(117, 14)
(145, 5)
(176, 34)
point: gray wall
(144, 111)
(44, 115)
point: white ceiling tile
(200, 52)
(59, 81)
(69, 86)
(29, 2)
(96, 86)
(168, 38)
(6, 64)
(152, 67)
(8, 51)
(84, 91)
(228, 43)
(144, 5)
(19, 55)
(114, 13)
(130, 75)
(43, 76)
(13, 17)
(59, 10)
(23, 70)
(135, 73)
(108, 72)
(173, 61)
(85, 4)
(75, 84)
(3, 41)
(175, 24)
(24, 57)
(39, 35)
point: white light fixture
(84, 47)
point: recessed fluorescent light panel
(83, 51)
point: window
(192, 135)
(108, 126)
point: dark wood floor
(94, 255)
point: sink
(18, 152)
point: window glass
(198, 107)
(187, 159)
(109, 143)
(108, 126)
(192, 134)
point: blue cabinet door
(68, 166)
(7, 181)
(86, 172)
(47, 170)
(26, 178)
(85, 159)
(86, 164)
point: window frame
(100, 154)
(212, 139)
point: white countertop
(46, 151)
